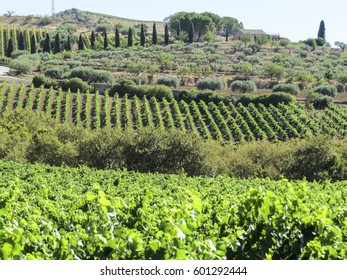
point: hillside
(82, 21)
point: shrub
(289, 88)
(18, 53)
(326, 90)
(135, 79)
(243, 86)
(319, 101)
(211, 83)
(170, 81)
(39, 80)
(75, 84)
(160, 92)
(55, 72)
(266, 99)
(22, 66)
(90, 75)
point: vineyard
(64, 213)
(222, 121)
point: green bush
(18, 53)
(289, 88)
(39, 80)
(211, 83)
(75, 84)
(267, 99)
(22, 66)
(54, 72)
(90, 75)
(327, 90)
(243, 86)
(170, 81)
(319, 101)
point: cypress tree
(142, 36)
(80, 43)
(21, 46)
(2, 49)
(14, 36)
(166, 39)
(321, 31)
(68, 44)
(33, 44)
(154, 35)
(47, 44)
(27, 40)
(191, 33)
(92, 40)
(9, 47)
(117, 39)
(57, 48)
(105, 41)
(130, 38)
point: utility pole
(53, 8)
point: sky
(295, 19)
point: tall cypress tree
(154, 35)
(178, 31)
(21, 45)
(9, 48)
(33, 44)
(166, 35)
(142, 36)
(105, 41)
(80, 43)
(321, 31)
(27, 39)
(130, 38)
(2, 48)
(191, 33)
(15, 39)
(68, 44)
(57, 48)
(92, 40)
(47, 44)
(117, 39)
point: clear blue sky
(295, 19)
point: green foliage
(90, 75)
(211, 83)
(243, 86)
(166, 35)
(22, 66)
(130, 38)
(75, 84)
(154, 35)
(319, 101)
(103, 28)
(120, 215)
(274, 70)
(170, 81)
(47, 44)
(289, 88)
(267, 99)
(321, 31)
(55, 72)
(326, 90)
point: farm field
(65, 213)
(221, 121)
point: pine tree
(321, 31)
(117, 39)
(154, 35)
(68, 44)
(9, 47)
(21, 42)
(105, 41)
(142, 36)
(80, 43)
(33, 44)
(47, 44)
(92, 40)
(166, 39)
(191, 33)
(57, 48)
(130, 38)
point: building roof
(251, 31)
